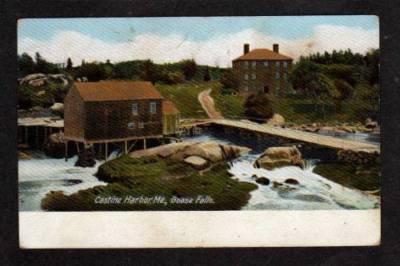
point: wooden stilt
(37, 136)
(144, 143)
(66, 150)
(26, 135)
(126, 147)
(106, 151)
(77, 147)
(45, 134)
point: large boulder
(280, 156)
(57, 108)
(276, 120)
(209, 151)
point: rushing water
(41, 175)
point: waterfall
(313, 192)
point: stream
(38, 176)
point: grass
(152, 177)
(294, 109)
(350, 175)
(185, 97)
(230, 106)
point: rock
(371, 124)
(23, 155)
(196, 162)
(276, 120)
(292, 181)
(280, 156)
(263, 181)
(40, 93)
(86, 158)
(276, 184)
(57, 108)
(54, 146)
(210, 151)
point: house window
(285, 64)
(135, 109)
(277, 64)
(254, 64)
(246, 76)
(246, 88)
(153, 107)
(141, 125)
(253, 76)
(285, 76)
(131, 125)
(265, 63)
(277, 75)
(246, 64)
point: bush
(258, 108)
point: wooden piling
(106, 151)
(66, 150)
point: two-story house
(262, 70)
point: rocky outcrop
(40, 79)
(57, 108)
(276, 120)
(194, 153)
(280, 156)
(54, 146)
(86, 158)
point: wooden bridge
(300, 136)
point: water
(373, 138)
(39, 176)
(313, 192)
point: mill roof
(116, 91)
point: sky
(213, 41)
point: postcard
(199, 132)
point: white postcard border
(173, 229)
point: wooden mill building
(262, 70)
(99, 113)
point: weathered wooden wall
(74, 115)
(109, 120)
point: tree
(308, 77)
(42, 66)
(26, 65)
(92, 71)
(189, 68)
(69, 64)
(149, 71)
(207, 76)
(229, 80)
(258, 108)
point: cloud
(217, 51)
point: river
(38, 176)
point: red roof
(263, 54)
(169, 107)
(116, 90)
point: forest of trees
(339, 77)
(169, 73)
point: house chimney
(246, 48)
(275, 48)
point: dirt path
(207, 102)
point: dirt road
(207, 102)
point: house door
(266, 89)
